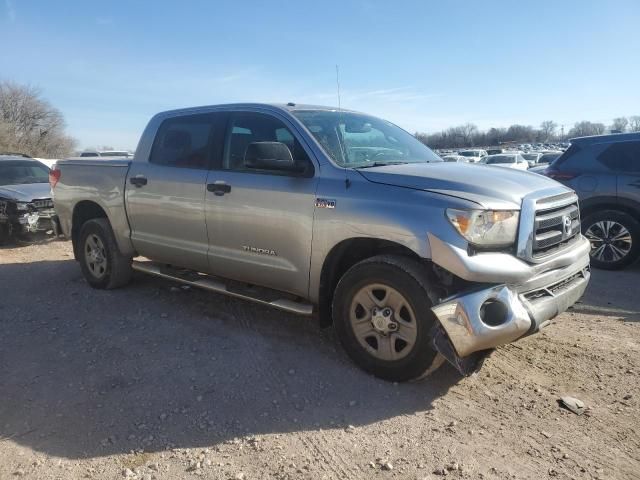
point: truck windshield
(21, 172)
(355, 140)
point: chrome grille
(555, 228)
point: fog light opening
(493, 312)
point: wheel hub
(382, 320)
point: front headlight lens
(487, 228)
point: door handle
(219, 189)
(138, 180)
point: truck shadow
(605, 297)
(86, 373)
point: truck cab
(335, 214)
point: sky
(424, 65)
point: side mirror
(270, 156)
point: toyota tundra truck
(336, 215)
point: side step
(231, 288)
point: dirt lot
(156, 381)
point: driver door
(260, 221)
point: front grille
(556, 288)
(45, 203)
(554, 228)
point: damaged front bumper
(29, 218)
(488, 316)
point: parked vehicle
(474, 155)
(548, 158)
(531, 158)
(25, 197)
(455, 158)
(507, 160)
(494, 151)
(604, 170)
(335, 214)
(106, 153)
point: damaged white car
(25, 198)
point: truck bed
(99, 181)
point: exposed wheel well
(83, 211)
(345, 255)
(597, 207)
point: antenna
(338, 84)
(347, 182)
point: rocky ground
(159, 382)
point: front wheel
(102, 264)
(382, 316)
(614, 237)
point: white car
(474, 155)
(507, 160)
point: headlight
(487, 228)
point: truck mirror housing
(269, 156)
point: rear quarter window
(581, 158)
(621, 157)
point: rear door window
(188, 141)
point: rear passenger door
(166, 194)
(260, 221)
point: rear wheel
(614, 237)
(382, 315)
(100, 259)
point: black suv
(605, 173)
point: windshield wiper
(380, 164)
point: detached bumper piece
(478, 321)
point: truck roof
(289, 107)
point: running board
(219, 286)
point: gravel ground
(157, 381)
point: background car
(548, 158)
(507, 160)
(531, 158)
(605, 172)
(25, 197)
(474, 154)
(106, 153)
(455, 158)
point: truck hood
(25, 192)
(490, 187)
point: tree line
(30, 125)
(469, 135)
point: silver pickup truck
(338, 215)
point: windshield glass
(530, 156)
(501, 159)
(355, 140)
(21, 172)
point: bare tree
(29, 124)
(585, 129)
(548, 130)
(634, 123)
(620, 124)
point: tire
(602, 228)
(102, 264)
(399, 353)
